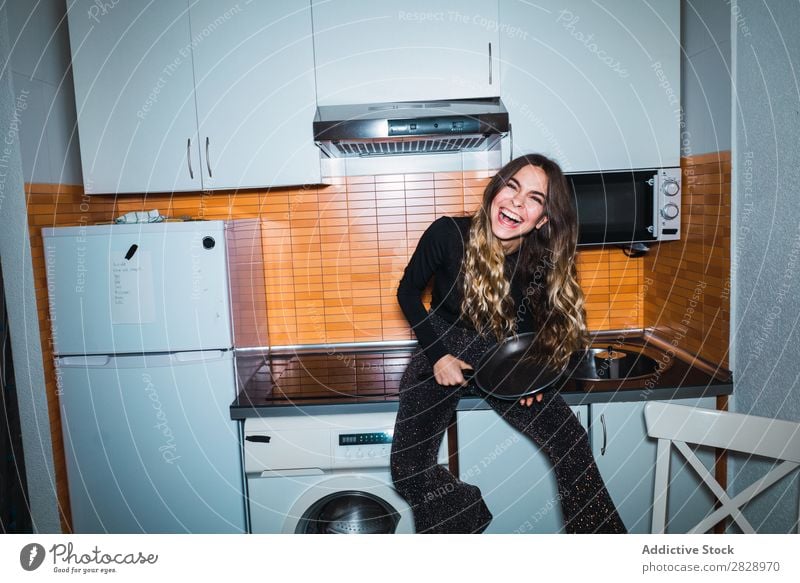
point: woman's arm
(434, 248)
(431, 251)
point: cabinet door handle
(605, 434)
(578, 415)
(208, 161)
(490, 63)
(189, 157)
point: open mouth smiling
(508, 218)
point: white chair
(680, 425)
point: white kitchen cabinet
(146, 77)
(256, 100)
(134, 93)
(370, 52)
(626, 458)
(595, 85)
(516, 478)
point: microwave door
(614, 207)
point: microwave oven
(625, 207)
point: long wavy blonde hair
(546, 262)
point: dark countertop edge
(247, 412)
(470, 403)
(626, 396)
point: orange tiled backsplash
(321, 264)
(687, 282)
(335, 257)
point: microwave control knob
(670, 187)
(670, 211)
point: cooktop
(342, 377)
(321, 378)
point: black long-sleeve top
(440, 254)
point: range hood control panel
(433, 126)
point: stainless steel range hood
(410, 127)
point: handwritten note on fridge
(132, 289)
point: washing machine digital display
(365, 438)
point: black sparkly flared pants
(440, 502)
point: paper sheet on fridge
(132, 300)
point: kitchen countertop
(334, 381)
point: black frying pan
(510, 371)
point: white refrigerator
(141, 331)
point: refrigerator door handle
(198, 356)
(143, 360)
(99, 360)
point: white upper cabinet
(148, 75)
(368, 51)
(596, 85)
(255, 92)
(134, 93)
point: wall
(766, 285)
(39, 62)
(23, 323)
(705, 76)
(336, 256)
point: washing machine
(324, 474)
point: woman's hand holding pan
(447, 371)
(528, 401)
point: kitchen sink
(609, 363)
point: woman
(508, 269)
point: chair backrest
(677, 425)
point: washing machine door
(351, 512)
(352, 504)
